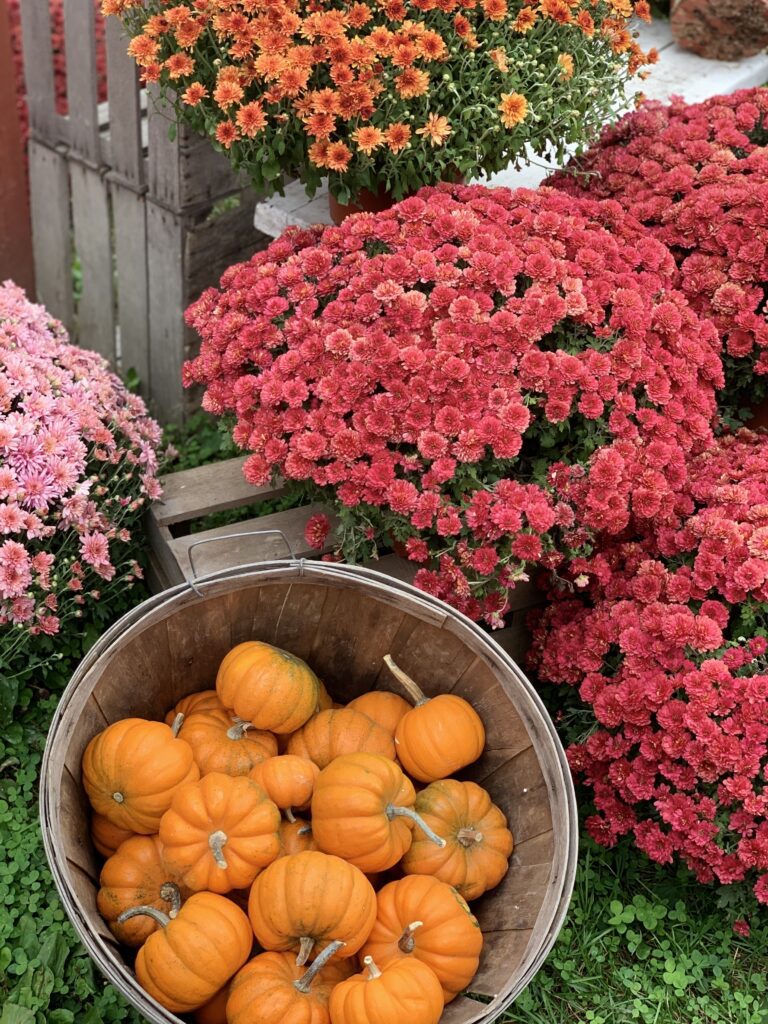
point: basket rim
(432, 609)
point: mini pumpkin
(423, 918)
(135, 876)
(478, 844)
(106, 836)
(222, 743)
(268, 687)
(272, 989)
(296, 837)
(219, 833)
(385, 708)
(332, 733)
(402, 990)
(362, 810)
(288, 780)
(439, 735)
(132, 769)
(191, 956)
(308, 900)
(204, 700)
(215, 1011)
(324, 699)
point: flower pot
(372, 202)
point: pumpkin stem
(157, 915)
(239, 729)
(118, 798)
(373, 970)
(305, 950)
(216, 841)
(467, 836)
(171, 893)
(411, 688)
(408, 812)
(302, 985)
(177, 724)
(290, 815)
(406, 943)
(305, 830)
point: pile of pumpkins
(195, 817)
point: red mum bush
(697, 176)
(420, 369)
(657, 643)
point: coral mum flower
(368, 138)
(226, 133)
(179, 65)
(525, 20)
(251, 119)
(397, 136)
(565, 60)
(499, 58)
(338, 157)
(194, 93)
(495, 9)
(412, 83)
(143, 50)
(514, 108)
(437, 129)
(318, 153)
(227, 92)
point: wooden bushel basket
(342, 620)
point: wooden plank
(93, 244)
(242, 550)
(193, 493)
(124, 110)
(163, 152)
(51, 232)
(219, 238)
(204, 173)
(38, 71)
(503, 952)
(16, 258)
(165, 275)
(82, 79)
(129, 217)
(164, 566)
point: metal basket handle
(230, 536)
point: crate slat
(124, 107)
(51, 231)
(82, 79)
(242, 550)
(193, 493)
(91, 219)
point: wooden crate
(177, 555)
(139, 208)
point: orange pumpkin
(204, 700)
(222, 743)
(191, 956)
(439, 735)
(219, 833)
(362, 810)
(402, 990)
(478, 844)
(272, 989)
(135, 876)
(288, 780)
(324, 699)
(332, 733)
(308, 900)
(214, 1012)
(106, 836)
(268, 687)
(423, 918)
(296, 837)
(132, 769)
(386, 709)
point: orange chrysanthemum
(496, 10)
(294, 80)
(118, 6)
(251, 119)
(227, 92)
(432, 46)
(325, 101)
(565, 60)
(500, 59)
(270, 65)
(359, 15)
(643, 10)
(397, 136)
(525, 20)
(436, 130)
(558, 10)
(226, 133)
(368, 138)
(179, 65)
(514, 108)
(338, 157)
(188, 33)
(622, 7)
(342, 74)
(411, 82)
(586, 24)
(318, 152)
(156, 26)
(143, 50)
(152, 72)
(194, 93)
(320, 125)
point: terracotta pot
(370, 202)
